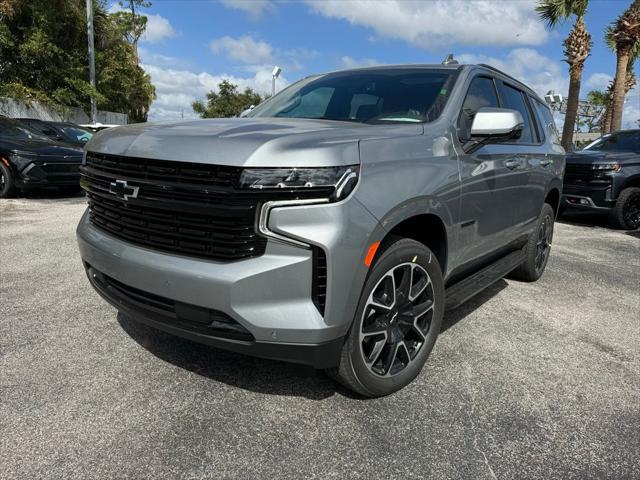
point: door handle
(511, 164)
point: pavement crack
(475, 441)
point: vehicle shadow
(452, 317)
(49, 194)
(584, 219)
(261, 375)
(241, 371)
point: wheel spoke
(391, 359)
(376, 351)
(418, 287)
(421, 308)
(386, 299)
(403, 288)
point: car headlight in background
(612, 166)
(333, 183)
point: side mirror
(494, 125)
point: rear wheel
(7, 187)
(538, 248)
(397, 321)
(626, 213)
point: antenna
(450, 60)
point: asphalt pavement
(525, 381)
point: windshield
(396, 95)
(76, 134)
(617, 142)
(13, 129)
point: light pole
(275, 74)
(92, 59)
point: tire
(7, 186)
(626, 213)
(398, 342)
(538, 248)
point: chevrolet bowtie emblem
(121, 189)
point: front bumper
(269, 296)
(588, 196)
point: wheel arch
(553, 199)
(426, 228)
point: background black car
(66, 132)
(29, 159)
(605, 177)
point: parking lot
(526, 380)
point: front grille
(177, 314)
(576, 173)
(185, 208)
(319, 283)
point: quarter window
(546, 119)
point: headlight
(334, 183)
(22, 159)
(606, 166)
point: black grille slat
(184, 208)
(319, 283)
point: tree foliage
(226, 102)
(44, 56)
(577, 47)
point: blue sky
(193, 44)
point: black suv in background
(29, 159)
(66, 132)
(605, 177)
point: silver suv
(333, 225)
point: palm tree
(577, 47)
(629, 83)
(625, 33)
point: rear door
(527, 159)
(489, 182)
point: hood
(263, 142)
(587, 157)
(42, 148)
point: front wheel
(7, 187)
(626, 213)
(397, 321)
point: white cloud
(254, 8)
(349, 62)
(244, 49)
(438, 23)
(598, 81)
(158, 28)
(631, 112)
(177, 89)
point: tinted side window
(546, 120)
(514, 99)
(481, 93)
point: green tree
(624, 35)
(43, 56)
(577, 47)
(135, 23)
(226, 102)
